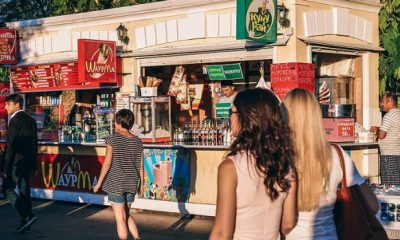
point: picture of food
(105, 53)
(34, 78)
(5, 45)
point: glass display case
(104, 124)
(153, 116)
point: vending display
(153, 116)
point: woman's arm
(224, 224)
(104, 168)
(290, 212)
(369, 197)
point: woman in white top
(256, 182)
(318, 168)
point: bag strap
(342, 165)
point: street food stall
(169, 74)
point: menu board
(47, 76)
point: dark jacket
(21, 145)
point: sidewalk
(64, 221)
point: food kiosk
(180, 176)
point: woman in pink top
(256, 181)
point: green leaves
(389, 62)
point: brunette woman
(256, 181)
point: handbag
(353, 218)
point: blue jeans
(21, 201)
(120, 199)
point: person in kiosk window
(319, 171)
(389, 140)
(256, 197)
(121, 172)
(228, 92)
(20, 162)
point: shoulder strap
(342, 165)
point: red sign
(8, 46)
(42, 77)
(74, 173)
(339, 129)
(97, 61)
(286, 76)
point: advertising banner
(287, 76)
(225, 72)
(45, 76)
(97, 61)
(166, 174)
(256, 20)
(8, 46)
(74, 173)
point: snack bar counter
(178, 177)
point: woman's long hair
(313, 153)
(264, 135)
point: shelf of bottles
(104, 123)
(206, 132)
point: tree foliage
(389, 61)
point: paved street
(64, 221)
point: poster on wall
(74, 173)
(97, 61)
(256, 20)
(8, 46)
(166, 174)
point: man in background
(389, 140)
(20, 162)
(228, 91)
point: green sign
(256, 20)
(222, 110)
(225, 72)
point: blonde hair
(313, 159)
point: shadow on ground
(64, 221)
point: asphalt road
(64, 221)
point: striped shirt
(390, 145)
(124, 173)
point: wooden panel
(203, 175)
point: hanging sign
(225, 72)
(222, 110)
(256, 20)
(97, 61)
(8, 46)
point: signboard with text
(222, 110)
(74, 173)
(97, 61)
(225, 72)
(256, 20)
(8, 46)
(44, 77)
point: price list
(47, 76)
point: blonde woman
(318, 168)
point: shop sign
(225, 72)
(44, 77)
(74, 173)
(222, 110)
(8, 46)
(256, 20)
(166, 174)
(97, 61)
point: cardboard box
(148, 91)
(339, 129)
